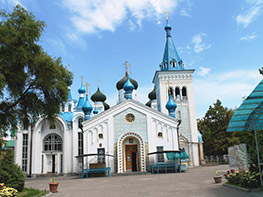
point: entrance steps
(129, 173)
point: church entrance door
(52, 160)
(131, 157)
(53, 163)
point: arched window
(181, 64)
(164, 65)
(63, 108)
(173, 63)
(52, 142)
(69, 107)
(80, 123)
(171, 91)
(177, 93)
(184, 93)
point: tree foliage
(213, 127)
(31, 82)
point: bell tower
(174, 78)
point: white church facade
(126, 132)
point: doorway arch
(121, 151)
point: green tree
(213, 127)
(32, 84)
(10, 173)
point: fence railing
(217, 158)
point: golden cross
(81, 79)
(127, 67)
(87, 87)
(166, 15)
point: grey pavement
(195, 182)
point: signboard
(238, 156)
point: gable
(130, 120)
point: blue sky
(221, 39)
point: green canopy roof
(249, 112)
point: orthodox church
(126, 132)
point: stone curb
(243, 189)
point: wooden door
(129, 151)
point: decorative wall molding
(120, 164)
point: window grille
(24, 152)
(52, 142)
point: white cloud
(256, 8)
(186, 8)
(197, 41)
(204, 71)
(229, 87)
(100, 15)
(249, 37)
(184, 13)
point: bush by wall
(10, 173)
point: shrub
(10, 173)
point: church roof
(121, 83)
(149, 103)
(171, 59)
(87, 107)
(98, 96)
(152, 94)
(128, 86)
(171, 105)
(249, 112)
(67, 116)
(106, 106)
(127, 103)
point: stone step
(129, 173)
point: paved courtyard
(196, 182)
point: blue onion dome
(95, 111)
(87, 107)
(81, 90)
(152, 94)
(106, 106)
(128, 86)
(167, 27)
(98, 96)
(149, 103)
(121, 83)
(171, 105)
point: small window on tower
(177, 93)
(171, 91)
(173, 63)
(164, 65)
(184, 93)
(69, 107)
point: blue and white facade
(84, 127)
